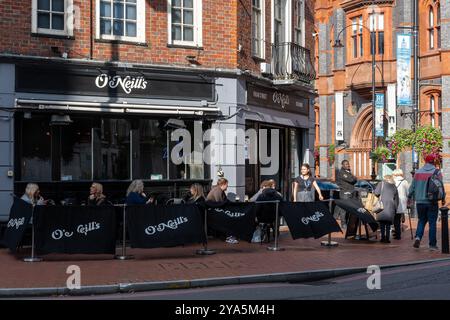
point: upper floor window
(299, 25)
(357, 37)
(431, 27)
(121, 20)
(432, 110)
(54, 17)
(376, 26)
(438, 25)
(185, 22)
(258, 28)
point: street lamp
(338, 44)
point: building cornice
(350, 5)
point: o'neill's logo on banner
(171, 224)
(127, 83)
(16, 223)
(231, 214)
(404, 69)
(315, 218)
(82, 229)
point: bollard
(124, 250)
(330, 243)
(205, 251)
(444, 229)
(32, 258)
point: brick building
(92, 90)
(344, 76)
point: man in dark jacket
(346, 182)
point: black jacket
(346, 180)
(269, 194)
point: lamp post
(338, 44)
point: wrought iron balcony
(291, 61)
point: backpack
(435, 187)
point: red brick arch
(360, 144)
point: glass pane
(176, 16)
(58, 5)
(176, 32)
(188, 3)
(131, 12)
(36, 149)
(105, 9)
(43, 4)
(381, 42)
(105, 26)
(131, 1)
(131, 29)
(118, 10)
(58, 21)
(112, 150)
(76, 150)
(176, 3)
(188, 17)
(188, 34)
(118, 28)
(44, 20)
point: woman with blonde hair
(135, 193)
(196, 194)
(32, 195)
(96, 196)
(402, 188)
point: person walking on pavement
(402, 188)
(388, 194)
(346, 182)
(427, 210)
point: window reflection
(111, 150)
(76, 148)
(36, 149)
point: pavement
(180, 267)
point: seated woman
(196, 194)
(32, 195)
(135, 193)
(96, 196)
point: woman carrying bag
(388, 196)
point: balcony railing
(292, 62)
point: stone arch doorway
(361, 144)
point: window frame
(262, 30)
(140, 23)
(299, 22)
(197, 26)
(431, 26)
(68, 20)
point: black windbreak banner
(75, 229)
(356, 211)
(233, 219)
(308, 219)
(19, 219)
(153, 226)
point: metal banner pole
(330, 243)
(410, 223)
(124, 250)
(32, 258)
(277, 221)
(205, 251)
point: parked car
(363, 187)
(326, 187)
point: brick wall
(219, 36)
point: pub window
(258, 28)
(111, 150)
(53, 17)
(121, 20)
(76, 150)
(185, 22)
(35, 160)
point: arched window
(431, 27)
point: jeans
(398, 225)
(427, 213)
(341, 213)
(385, 230)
